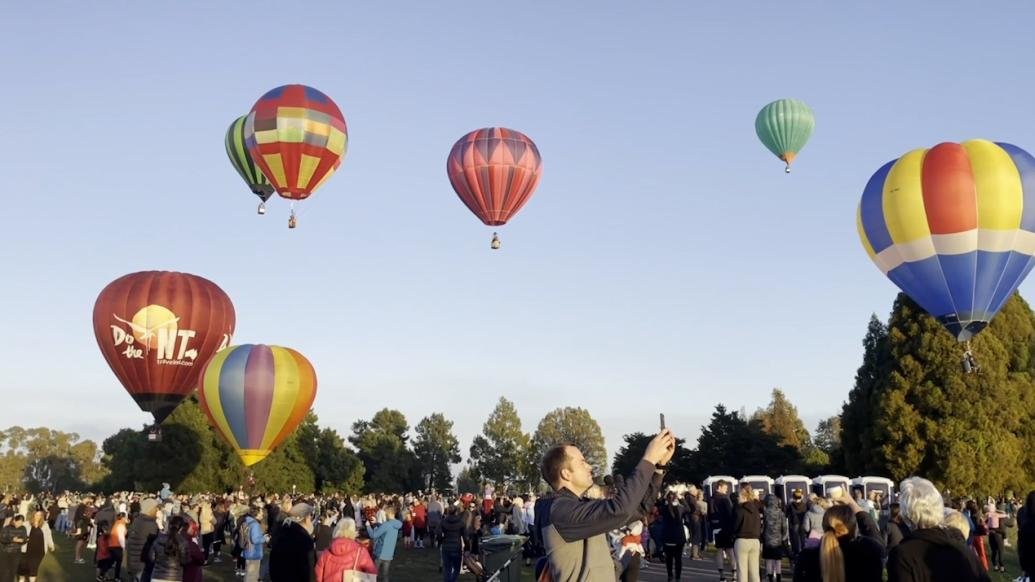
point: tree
(435, 448)
(828, 442)
(382, 448)
(500, 454)
(780, 419)
(682, 469)
(965, 432)
(730, 445)
(574, 426)
(468, 481)
(828, 435)
(190, 456)
(856, 435)
(42, 459)
(333, 465)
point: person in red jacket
(344, 554)
(420, 522)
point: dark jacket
(1026, 541)
(721, 512)
(324, 536)
(933, 555)
(451, 532)
(192, 570)
(672, 518)
(747, 520)
(863, 555)
(896, 533)
(574, 530)
(293, 557)
(8, 535)
(796, 511)
(169, 556)
(774, 530)
(139, 537)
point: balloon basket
(154, 434)
(495, 244)
(262, 208)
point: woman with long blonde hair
(747, 533)
(843, 556)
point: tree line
(912, 410)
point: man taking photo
(573, 529)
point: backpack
(244, 537)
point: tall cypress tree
(915, 411)
(856, 429)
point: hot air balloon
(256, 396)
(242, 162)
(157, 329)
(494, 171)
(784, 126)
(297, 136)
(953, 227)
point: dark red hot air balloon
(494, 171)
(157, 329)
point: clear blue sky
(665, 263)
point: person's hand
(660, 448)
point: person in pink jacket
(343, 554)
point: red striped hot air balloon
(256, 396)
(494, 171)
(156, 329)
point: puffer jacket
(344, 554)
(141, 534)
(774, 529)
(813, 522)
(169, 560)
(206, 519)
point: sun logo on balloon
(146, 323)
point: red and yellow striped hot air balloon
(256, 396)
(298, 137)
(494, 171)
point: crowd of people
(577, 531)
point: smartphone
(662, 417)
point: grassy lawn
(409, 565)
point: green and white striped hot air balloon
(784, 126)
(237, 151)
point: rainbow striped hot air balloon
(256, 396)
(954, 228)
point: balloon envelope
(297, 136)
(157, 329)
(256, 396)
(494, 171)
(954, 228)
(242, 160)
(784, 126)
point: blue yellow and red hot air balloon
(256, 396)
(953, 227)
(297, 136)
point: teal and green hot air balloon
(784, 126)
(237, 151)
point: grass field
(408, 566)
